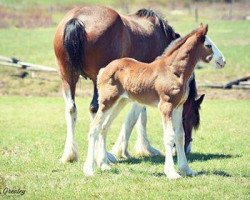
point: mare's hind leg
(70, 149)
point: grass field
(32, 132)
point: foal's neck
(183, 60)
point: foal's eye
(209, 46)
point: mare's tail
(73, 41)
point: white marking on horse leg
(143, 147)
(179, 141)
(70, 149)
(103, 156)
(169, 169)
(120, 149)
(95, 128)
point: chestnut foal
(162, 83)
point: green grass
(32, 132)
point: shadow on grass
(216, 173)
(191, 158)
(210, 156)
(201, 173)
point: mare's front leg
(179, 141)
(143, 147)
(136, 114)
(120, 149)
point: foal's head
(207, 49)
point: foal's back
(129, 78)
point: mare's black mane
(168, 30)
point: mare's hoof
(147, 151)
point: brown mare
(163, 83)
(87, 39)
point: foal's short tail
(73, 41)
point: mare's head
(207, 49)
(191, 119)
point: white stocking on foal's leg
(95, 128)
(70, 149)
(103, 157)
(179, 141)
(143, 147)
(169, 169)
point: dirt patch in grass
(25, 18)
(224, 93)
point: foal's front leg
(179, 141)
(168, 137)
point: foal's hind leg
(102, 158)
(95, 128)
(70, 149)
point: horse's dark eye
(209, 46)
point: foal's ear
(205, 29)
(202, 31)
(199, 100)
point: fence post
(196, 13)
(230, 10)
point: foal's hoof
(88, 170)
(147, 151)
(111, 158)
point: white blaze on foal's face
(217, 56)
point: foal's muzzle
(220, 62)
